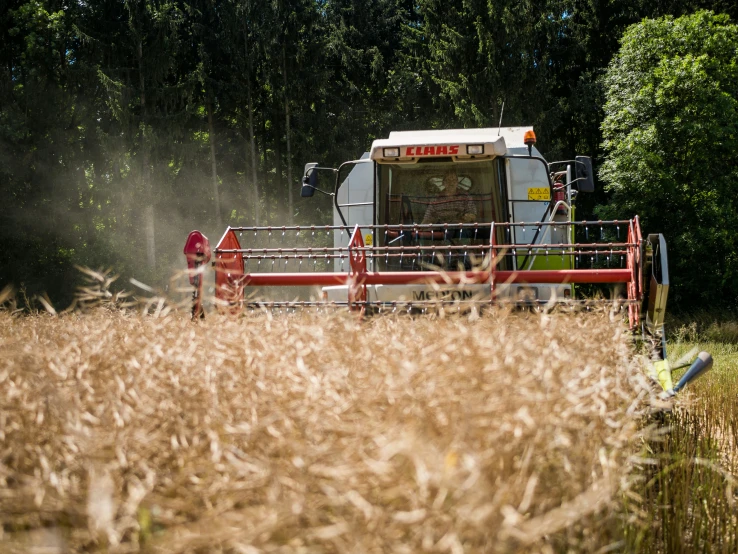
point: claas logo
(432, 150)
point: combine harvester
(467, 217)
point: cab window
(439, 192)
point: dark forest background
(126, 124)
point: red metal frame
(324, 279)
(229, 271)
(357, 263)
(197, 252)
(635, 282)
(231, 277)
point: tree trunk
(148, 196)
(7, 86)
(129, 191)
(252, 139)
(265, 143)
(290, 206)
(277, 185)
(213, 164)
(118, 197)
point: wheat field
(316, 432)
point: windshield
(440, 192)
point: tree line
(125, 124)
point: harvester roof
(410, 146)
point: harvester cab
(458, 218)
(428, 200)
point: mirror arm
(564, 162)
(319, 190)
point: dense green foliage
(125, 124)
(671, 137)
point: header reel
(446, 255)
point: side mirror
(584, 175)
(309, 180)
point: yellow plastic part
(661, 372)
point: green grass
(706, 327)
(689, 491)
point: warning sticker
(542, 193)
(368, 239)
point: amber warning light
(529, 139)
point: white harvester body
(524, 195)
